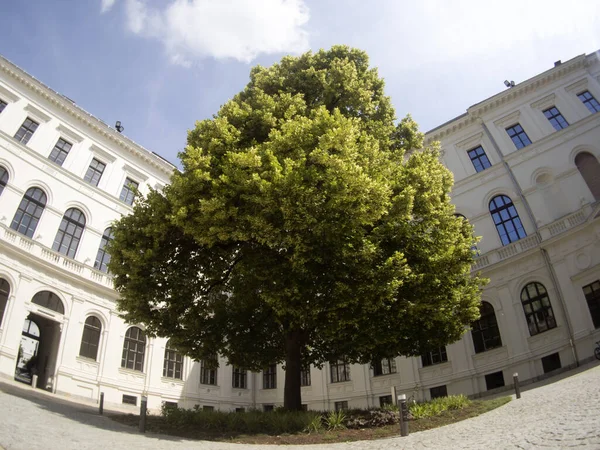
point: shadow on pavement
(79, 412)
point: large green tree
(301, 230)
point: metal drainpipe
(543, 251)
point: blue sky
(158, 66)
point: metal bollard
(34, 381)
(101, 407)
(516, 383)
(143, 407)
(403, 413)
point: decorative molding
(580, 85)
(470, 142)
(545, 103)
(7, 95)
(102, 154)
(509, 119)
(37, 114)
(75, 138)
(141, 176)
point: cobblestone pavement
(563, 412)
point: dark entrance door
(28, 352)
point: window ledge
(383, 375)
(436, 365)
(178, 381)
(488, 353)
(126, 371)
(85, 359)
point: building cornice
(84, 117)
(474, 113)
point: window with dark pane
(555, 118)
(239, 378)
(589, 101)
(438, 391)
(134, 348)
(518, 136)
(592, 296)
(551, 362)
(340, 371)
(384, 366)
(4, 294)
(128, 191)
(2, 105)
(485, 331)
(433, 357)
(3, 179)
(589, 169)
(507, 221)
(60, 151)
(537, 308)
(94, 172)
(270, 377)
(305, 377)
(385, 400)
(26, 130)
(479, 159)
(29, 212)
(69, 233)
(129, 399)
(90, 338)
(173, 363)
(494, 380)
(49, 300)
(208, 370)
(339, 406)
(103, 257)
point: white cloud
(237, 29)
(107, 5)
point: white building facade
(527, 177)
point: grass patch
(284, 427)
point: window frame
(127, 195)
(239, 378)
(555, 118)
(90, 338)
(305, 379)
(4, 177)
(479, 159)
(339, 371)
(70, 230)
(485, 331)
(172, 363)
(134, 346)
(92, 171)
(102, 256)
(434, 357)
(591, 103)
(59, 152)
(594, 296)
(26, 130)
(208, 371)
(23, 208)
(270, 377)
(500, 221)
(536, 313)
(517, 136)
(385, 366)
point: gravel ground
(562, 412)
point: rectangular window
(438, 391)
(60, 151)
(129, 400)
(518, 136)
(556, 118)
(305, 377)
(494, 380)
(26, 130)
(94, 172)
(589, 101)
(208, 371)
(385, 400)
(592, 295)
(268, 408)
(128, 191)
(551, 362)
(239, 378)
(173, 364)
(340, 371)
(436, 356)
(2, 105)
(208, 408)
(270, 377)
(240, 410)
(170, 405)
(384, 367)
(339, 406)
(479, 159)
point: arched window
(90, 338)
(49, 300)
(485, 331)
(103, 257)
(134, 348)
(4, 294)
(29, 212)
(589, 168)
(3, 178)
(506, 219)
(537, 307)
(69, 233)
(173, 363)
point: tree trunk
(292, 395)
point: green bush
(437, 406)
(336, 420)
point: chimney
(557, 63)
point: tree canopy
(305, 227)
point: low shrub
(336, 420)
(437, 406)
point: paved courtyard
(563, 412)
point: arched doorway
(589, 168)
(40, 340)
(28, 352)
